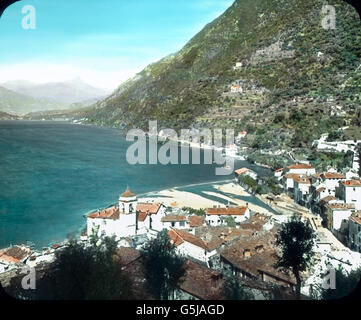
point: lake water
(52, 173)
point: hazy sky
(103, 42)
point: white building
(301, 189)
(191, 246)
(338, 215)
(238, 66)
(301, 169)
(218, 216)
(289, 181)
(350, 192)
(236, 88)
(331, 181)
(149, 217)
(278, 173)
(175, 221)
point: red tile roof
(174, 218)
(127, 255)
(352, 183)
(341, 206)
(14, 254)
(150, 208)
(110, 213)
(177, 237)
(333, 175)
(215, 237)
(256, 222)
(202, 282)
(145, 209)
(241, 171)
(290, 175)
(327, 199)
(233, 211)
(302, 179)
(356, 217)
(196, 221)
(128, 194)
(254, 255)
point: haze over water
(51, 174)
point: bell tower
(128, 202)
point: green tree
(163, 267)
(197, 212)
(233, 290)
(86, 272)
(295, 240)
(231, 222)
(250, 184)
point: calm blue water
(52, 173)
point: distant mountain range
(21, 97)
(72, 91)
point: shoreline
(172, 197)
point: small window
(182, 223)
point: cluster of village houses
(211, 247)
(215, 248)
(332, 195)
